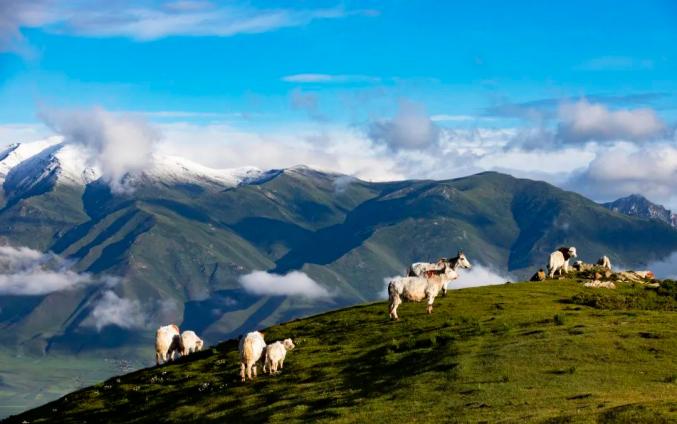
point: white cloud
(110, 309)
(583, 121)
(411, 146)
(625, 168)
(116, 143)
(17, 14)
(666, 268)
(151, 21)
(28, 272)
(478, 276)
(343, 182)
(328, 78)
(295, 283)
(410, 129)
(336, 149)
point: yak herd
(422, 281)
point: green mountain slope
(527, 352)
(179, 249)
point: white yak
(251, 350)
(419, 269)
(191, 342)
(167, 343)
(559, 260)
(415, 289)
(275, 354)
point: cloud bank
(117, 144)
(295, 283)
(28, 272)
(478, 276)
(666, 268)
(627, 168)
(582, 121)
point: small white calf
(275, 354)
(559, 260)
(191, 342)
(604, 262)
(251, 350)
(167, 343)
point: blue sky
(332, 69)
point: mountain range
(638, 205)
(174, 244)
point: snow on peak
(16, 153)
(176, 169)
(26, 164)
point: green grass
(510, 353)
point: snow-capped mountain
(640, 206)
(26, 167)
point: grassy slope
(500, 353)
(179, 245)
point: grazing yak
(415, 289)
(251, 350)
(559, 260)
(191, 342)
(604, 262)
(167, 343)
(419, 269)
(275, 354)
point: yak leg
(394, 303)
(249, 371)
(431, 299)
(242, 371)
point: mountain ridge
(640, 206)
(178, 249)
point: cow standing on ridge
(419, 269)
(559, 260)
(415, 289)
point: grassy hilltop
(544, 352)
(181, 249)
